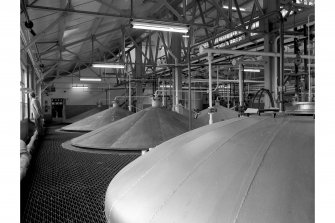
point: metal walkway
(68, 186)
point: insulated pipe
(309, 64)
(210, 87)
(240, 83)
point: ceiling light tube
(153, 25)
(89, 79)
(252, 70)
(108, 65)
(75, 86)
(234, 8)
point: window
(24, 96)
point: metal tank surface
(85, 114)
(258, 169)
(140, 131)
(222, 114)
(98, 120)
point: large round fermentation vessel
(142, 130)
(258, 169)
(98, 120)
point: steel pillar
(210, 101)
(138, 73)
(240, 84)
(176, 39)
(269, 45)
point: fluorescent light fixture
(159, 26)
(234, 8)
(185, 36)
(75, 86)
(252, 70)
(165, 86)
(89, 79)
(108, 65)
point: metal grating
(68, 186)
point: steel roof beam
(47, 72)
(174, 11)
(82, 40)
(109, 6)
(48, 28)
(98, 14)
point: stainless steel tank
(258, 169)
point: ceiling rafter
(84, 39)
(48, 28)
(94, 28)
(210, 43)
(174, 11)
(99, 14)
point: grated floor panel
(67, 186)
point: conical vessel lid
(86, 114)
(142, 130)
(98, 120)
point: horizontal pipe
(147, 65)
(224, 80)
(254, 53)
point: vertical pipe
(304, 88)
(109, 95)
(129, 89)
(210, 87)
(28, 86)
(189, 81)
(106, 97)
(229, 94)
(240, 83)
(309, 64)
(164, 93)
(281, 75)
(176, 83)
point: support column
(270, 73)
(176, 39)
(138, 75)
(240, 84)
(210, 96)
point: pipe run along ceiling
(258, 169)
